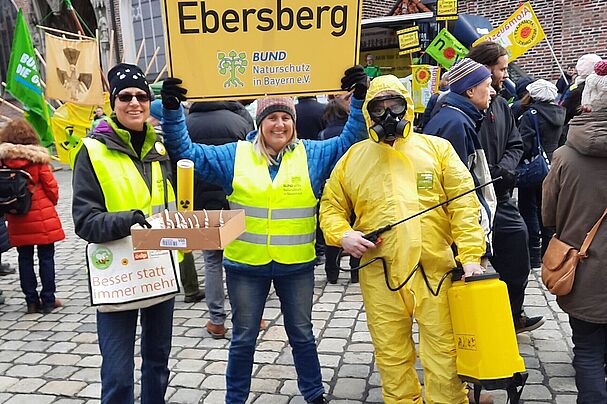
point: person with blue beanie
(458, 122)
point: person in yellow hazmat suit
(382, 180)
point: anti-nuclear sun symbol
(231, 64)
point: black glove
(139, 218)
(506, 184)
(171, 93)
(355, 77)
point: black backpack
(15, 195)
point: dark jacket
(309, 117)
(573, 100)
(334, 128)
(517, 110)
(4, 243)
(551, 119)
(574, 197)
(502, 144)
(216, 123)
(457, 121)
(561, 85)
(432, 107)
(92, 222)
(41, 224)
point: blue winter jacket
(215, 164)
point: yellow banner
(73, 71)
(235, 49)
(70, 123)
(519, 33)
(446, 10)
(424, 83)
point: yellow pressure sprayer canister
(487, 350)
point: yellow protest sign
(424, 83)
(228, 49)
(408, 40)
(70, 123)
(446, 10)
(519, 33)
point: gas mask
(387, 113)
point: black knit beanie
(123, 76)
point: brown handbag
(561, 259)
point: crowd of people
(315, 179)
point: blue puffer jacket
(215, 164)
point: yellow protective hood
(389, 83)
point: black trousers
(511, 253)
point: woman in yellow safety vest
(277, 179)
(121, 176)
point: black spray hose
(374, 237)
(457, 273)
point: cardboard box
(212, 238)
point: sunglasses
(378, 106)
(126, 97)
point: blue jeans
(116, 333)
(248, 290)
(27, 276)
(589, 360)
(213, 285)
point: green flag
(24, 83)
(445, 49)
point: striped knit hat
(465, 74)
(265, 106)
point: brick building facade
(573, 28)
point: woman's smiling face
(277, 130)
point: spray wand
(375, 237)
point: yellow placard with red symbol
(519, 33)
(424, 83)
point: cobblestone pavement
(54, 358)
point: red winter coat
(41, 225)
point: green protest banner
(445, 49)
(24, 83)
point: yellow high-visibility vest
(280, 214)
(122, 185)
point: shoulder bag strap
(536, 124)
(590, 235)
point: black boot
(319, 400)
(331, 268)
(535, 255)
(6, 269)
(354, 276)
